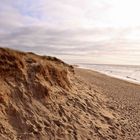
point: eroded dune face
(42, 98)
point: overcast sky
(77, 31)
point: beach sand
(122, 96)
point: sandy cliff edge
(43, 98)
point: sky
(76, 31)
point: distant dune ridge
(43, 98)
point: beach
(70, 70)
(122, 96)
(43, 98)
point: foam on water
(125, 72)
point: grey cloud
(52, 41)
(68, 43)
(62, 28)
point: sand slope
(42, 98)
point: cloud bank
(76, 31)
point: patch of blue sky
(29, 8)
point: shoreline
(112, 76)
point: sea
(126, 72)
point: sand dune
(42, 98)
